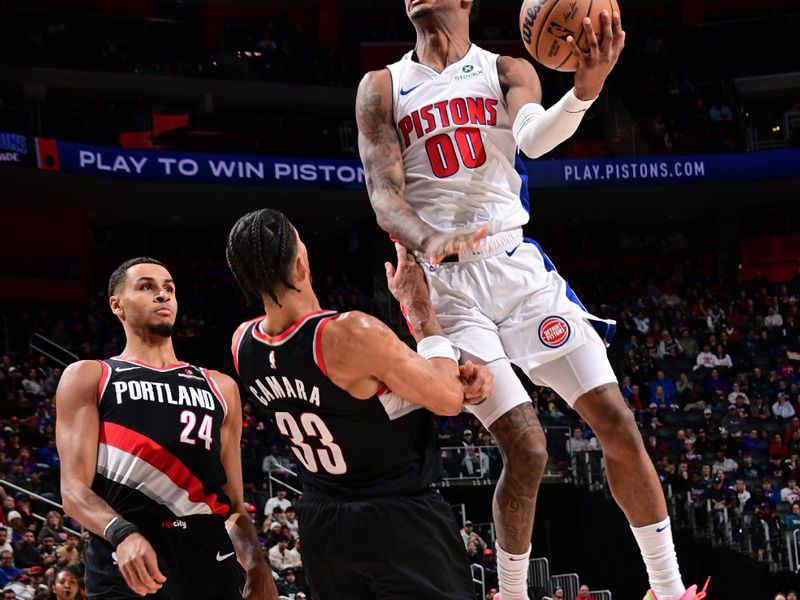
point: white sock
(512, 574)
(658, 552)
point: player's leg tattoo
(522, 443)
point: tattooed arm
(380, 152)
(382, 156)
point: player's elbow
(449, 404)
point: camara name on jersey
(267, 389)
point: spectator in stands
(291, 520)
(8, 570)
(17, 526)
(25, 552)
(716, 385)
(736, 392)
(279, 499)
(773, 320)
(665, 383)
(778, 447)
(282, 558)
(583, 593)
(705, 359)
(722, 359)
(23, 506)
(791, 493)
(67, 554)
(4, 543)
(779, 596)
(782, 409)
(724, 463)
(54, 526)
(748, 470)
(794, 425)
(288, 587)
(733, 422)
(759, 409)
(65, 585)
(47, 550)
(21, 587)
(18, 477)
(558, 593)
(677, 444)
(33, 385)
(791, 595)
(741, 491)
(474, 461)
(468, 534)
(770, 493)
(275, 463)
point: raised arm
(361, 354)
(259, 584)
(382, 157)
(77, 436)
(536, 130)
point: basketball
(546, 24)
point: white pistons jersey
(459, 154)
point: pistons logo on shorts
(554, 332)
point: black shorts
(390, 548)
(194, 553)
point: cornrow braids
(473, 10)
(260, 251)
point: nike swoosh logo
(408, 91)
(221, 557)
(660, 529)
(511, 252)
(121, 369)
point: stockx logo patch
(468, 72)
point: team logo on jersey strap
(467, 72)
(188, 374)
(272, 359)
(554, 332)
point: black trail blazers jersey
(346, 448)
(159, 445)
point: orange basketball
(546, 24)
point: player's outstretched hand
(260, 585)
(406, 281)
(441, 244)
(138, 564)
(595, 64)
(478, 382)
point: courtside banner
(159, 165)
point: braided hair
(473, 10)
(260, 251)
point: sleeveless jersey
(159, 445)
(345, 448)
(459, 153)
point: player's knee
(528, 455)
(615, 424)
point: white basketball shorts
(506, 302)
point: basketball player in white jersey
(438, 135)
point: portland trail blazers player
(150, 460)
(371, 527)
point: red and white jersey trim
(104, 379)
(215, 389)
(147, 366)
(134, 460)
(282, 338)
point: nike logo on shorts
(511, 252)
(408, 91)
(121, 369)
(221, 557)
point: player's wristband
(118, 529)
(436, 346)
